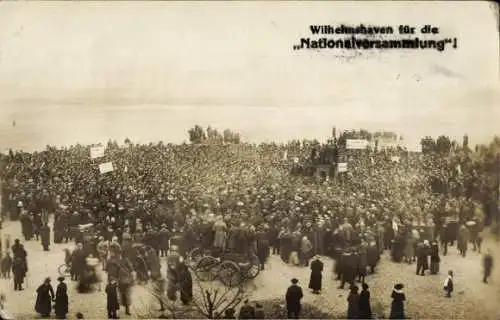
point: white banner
(97, 152)
(395, 159)
(342, 167)
(106, 167)
(356, 143)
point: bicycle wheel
(207, 268)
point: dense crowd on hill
(237, 195)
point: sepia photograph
(249, 160)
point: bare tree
(210, 300)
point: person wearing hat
(45, 295)
(293, 299)
(316, 275)
(353, 303)
(112, 303)
(61, 300)
(365, 309)
(397, 305)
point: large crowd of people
(243, 198)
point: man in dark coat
(316, 276)
(422, 260)
(77, 262)
(262, 247)
(112, 304)
(349, 264)
(45, 235)
(164, 237)
(26, 226)
(19, 272)
(19, 251)
(293, 299)
(37, 224)
(61, 301)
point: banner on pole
(106, 167)
(356, 144)
(97, 152)
(342, 167)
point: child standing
(448, 284)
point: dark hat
(60, 279)
(295, 281)
(399, 286)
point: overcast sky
(81, 72)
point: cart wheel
(207, 268)
(194, 256)
(230, 274)
(254, 269)
(63, 270)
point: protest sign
(356, 143)
(97, 152)
(342, 167)
(106, 167)
(395, 159)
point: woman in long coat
(365, 309)
(45, 295)
(316, 275)
(353, 303)
(397, 305)
(435, 259)
(61, 301)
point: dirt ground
(425, 296)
